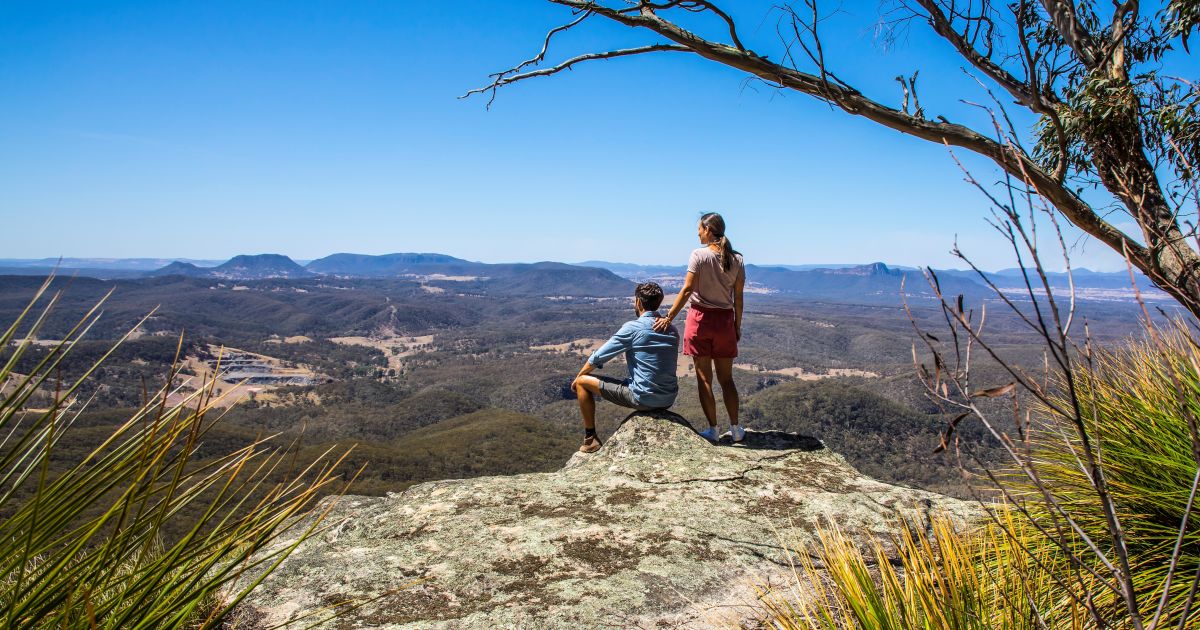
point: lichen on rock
(658, 528)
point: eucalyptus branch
(503, 79)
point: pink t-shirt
(712, 285)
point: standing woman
(712, 290)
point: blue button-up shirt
(652, 357)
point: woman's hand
(663, 324)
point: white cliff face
(657, 529)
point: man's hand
(661, 324)
(587, 368)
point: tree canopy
(1107, 115)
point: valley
(473, 379)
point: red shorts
(710, 332)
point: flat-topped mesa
(657, 528)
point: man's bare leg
(586, 388)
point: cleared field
(394, 346)
(804, 375)
(230, 388)
(582, 347)
(292, 339)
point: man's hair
(650, 294)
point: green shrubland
(83, 540)
(1051, 555)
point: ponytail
(716, 227)
(726, 254)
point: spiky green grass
(82, 548)
(1140, 405)
(1031, 566)
(943, 578)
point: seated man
(651, 356)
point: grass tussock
(1140, 404)
(1049, 558)
(940, 578)
(83, 548)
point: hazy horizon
(205, 131)
(304, 261)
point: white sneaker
(710, 434)
(737, 433)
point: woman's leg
(704, 383)
(729, 392)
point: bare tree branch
(1024, 91)
(1101, 139)
(1066, 19)
(854, 102)
(503, 79)
(536, 59)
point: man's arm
(619, 343)
(587, 368)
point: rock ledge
(657, 529)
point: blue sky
(209, 129)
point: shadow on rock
(774, 441)
(771, 440)
(658, 414)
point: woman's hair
(716, 227)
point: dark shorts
(710, 332)
(617, 392)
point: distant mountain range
(363, 266)
(113, 264)
(244, 267)
(875, 282)
(632, 271)
(437, 271)
(103, 268)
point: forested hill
(388, 265)
(881, 283)
(316, 306)
(874, 283)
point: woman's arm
(661, 324)
(738, 287)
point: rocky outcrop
(657, 529)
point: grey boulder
(659, 528)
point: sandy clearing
(802, 374)
(582, 347)
(45, 343)
(230, 392)
(394, 346)
(10, 384)
(284, 400)
(292, 339)
(444, 278)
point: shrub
(81, 541)
(1140, 403)
(1050, 559)
(950, 579)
